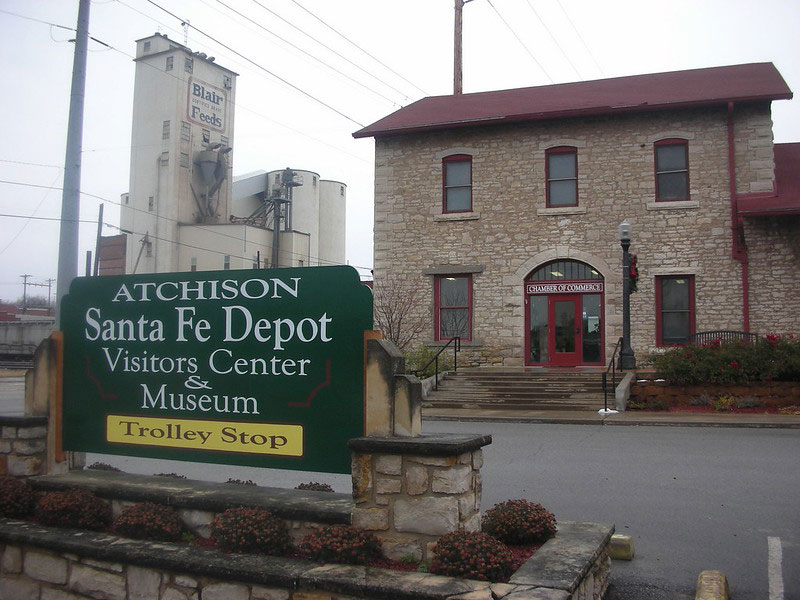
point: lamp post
(627, 360)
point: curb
(791, 423)
(712, 585)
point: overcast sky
(507, 44)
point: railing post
(436, 376)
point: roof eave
(541, 116)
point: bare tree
(397, 309)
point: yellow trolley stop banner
(248, 438)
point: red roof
(786, 200)
(657, 91)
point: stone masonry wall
(23, 446)
(511, 232)
(773, 248)
(410, 501)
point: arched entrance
(564, 304)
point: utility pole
(24, 293)
(457, 62)
(70, 200)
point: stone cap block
(425, 445)
(712, 585)
(295, 505)
(22, 421)
(564, 560)
(621, 547)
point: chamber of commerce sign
(257, 367)
(207, 105)
(564, 288)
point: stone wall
(23, 446)
(770, 393)
(773, 250)
(510, 231)
(40, 563)
(411, 492)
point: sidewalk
(635, 417)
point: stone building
(504, 208)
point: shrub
(772, 358)
(98, 466)
(724, 403)
(702, 400)
(340, 544)
(173, 475)
(17, 498)
(749, 402)
(472, 554)
(315, 487)
(240, 482)
(149, 521)
(76, 508)
(420, 357)
(519, 522)
(250, 530)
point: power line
(260, 66)
(580, 37)
(168, 219)
(552, 37)
(319, 60)
(514, 33)
(237, 104)
(342, 56)
(344, 37)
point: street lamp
(627, 360)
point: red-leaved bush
(519, 522)
(473, 555)
(340, 544)
(149, 521)
(17, 498)
(251, 530)
(75, 508)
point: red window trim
(659, 320)
(671, 142)
(437, 307)
(449, 159)
(559, 150)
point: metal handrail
(612, 366)
(456, 343)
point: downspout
(738, 247)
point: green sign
(257, 368)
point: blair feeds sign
(257, 367)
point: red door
(565, 330)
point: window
(147, 46)
(672, 170)
(674, 309)
(226, 82)
(561, 172)
(151, 204)
(188, 64)
(165, 130)
(226, 262)
(170, 61)
(457, 182)
(453, 304)
(185, 132)
(185, 162)
(193, 265)
(206, 136)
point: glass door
(565, 331)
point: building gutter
(738, 247)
